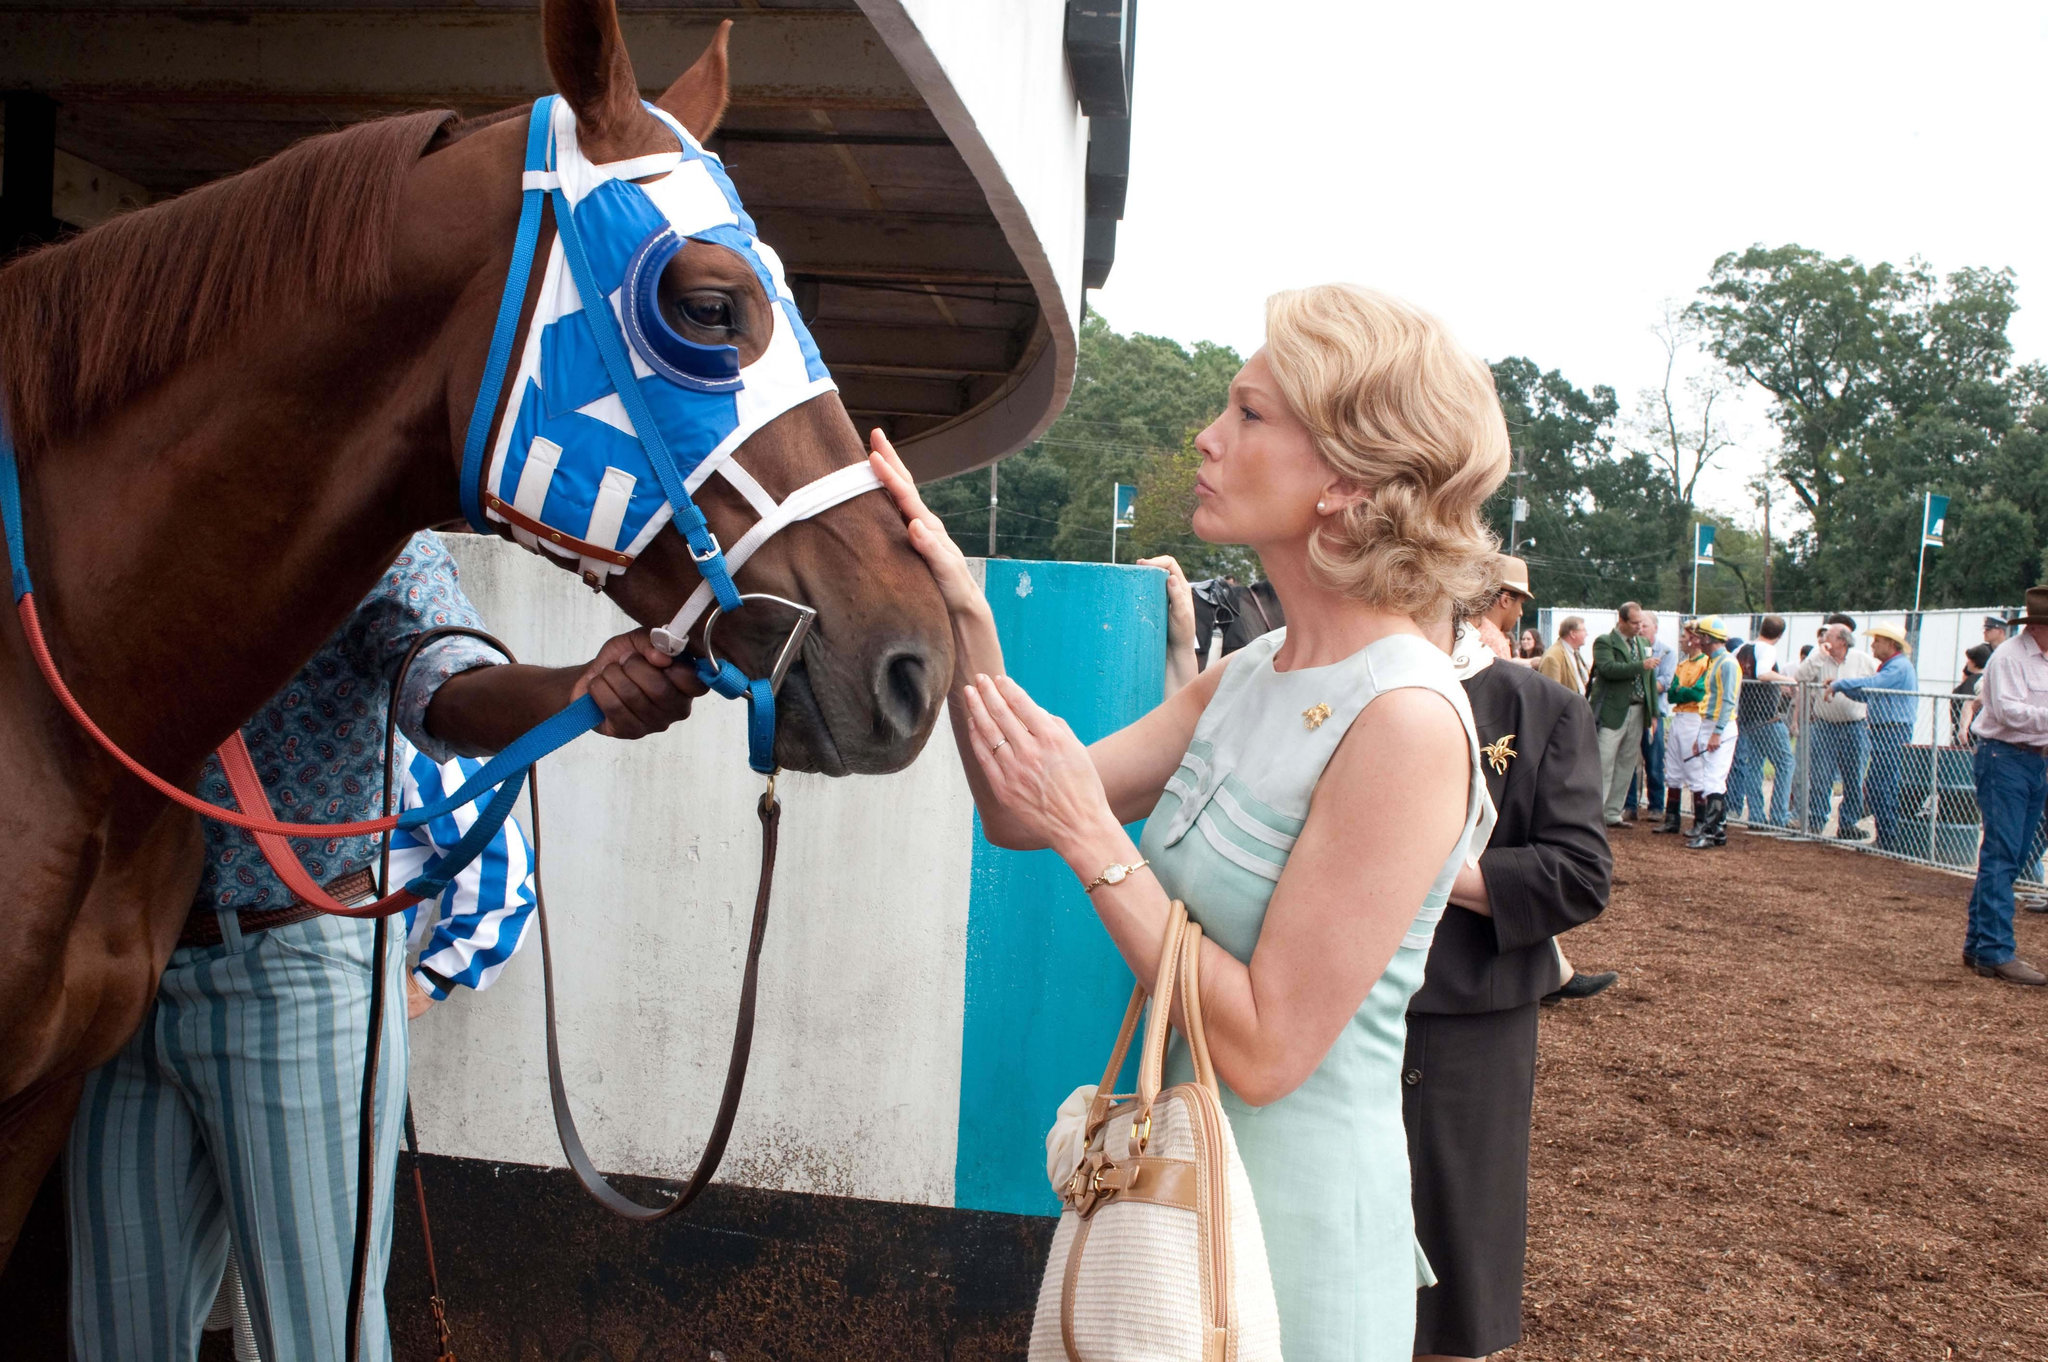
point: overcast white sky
(1545, 176)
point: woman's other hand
(928, 536)
(1180, 602)
(1181, 663)
(1037, 771)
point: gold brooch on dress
(1499, 753)
(1312, 717)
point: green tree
(1136, 402)
(1603, 520)
(1886, 383)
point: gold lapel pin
(1312, 717)
(1498, 754)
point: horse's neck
(196, 548)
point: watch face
(1115, 874)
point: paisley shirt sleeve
(420, 591)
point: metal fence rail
(1898, 781)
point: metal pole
(1767, 547)
(1934, 784)
(1920, 572)
(1695, 567)
(991, 510)
(1112, 522)
(1802, 760)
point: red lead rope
(242, 779)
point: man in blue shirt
(230, 1117)
(1890, 696)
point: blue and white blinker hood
(615, 419)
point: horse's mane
(90, 322)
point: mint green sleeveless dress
(1329, 1161)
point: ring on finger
(998, 746)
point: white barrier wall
(926, 1000)
(650, 854)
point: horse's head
(701, 341)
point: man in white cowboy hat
(1711, 752)
(1889, 696)
(2011, 729)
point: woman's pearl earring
(1321, 507)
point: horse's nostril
(900, 696)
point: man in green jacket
(1623, 692)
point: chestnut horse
(232, 410)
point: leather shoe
(1581, 985)
(2013, 971)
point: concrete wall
(903, 952)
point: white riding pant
(1687, 762)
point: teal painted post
(1045, 987)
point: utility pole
(1767, 546)
(1518, 505)
(991, 510)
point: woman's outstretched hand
(1037, 770)
(927, 532)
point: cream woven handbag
(1158, 1256)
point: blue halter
(585, 464)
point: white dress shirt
(1820, 669)
(2012, 700)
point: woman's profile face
(1261, 475)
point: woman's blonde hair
(1398, 408)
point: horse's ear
(588, 60)
(697, 100)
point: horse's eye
(712, 311)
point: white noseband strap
(813, 498)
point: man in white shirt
(1840, 734)
(2011, 729)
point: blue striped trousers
(231, 1114)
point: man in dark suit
(1470, 1073)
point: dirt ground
(1797, 1128)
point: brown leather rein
(769, 810)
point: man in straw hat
(2011, 729)
(1888, 695)
(1505, 614)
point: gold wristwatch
(1113, 874)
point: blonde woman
(1312, 798)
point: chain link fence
(1897, 779)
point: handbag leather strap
(1191, 1007)
(1179, 960)
(1152, 1059)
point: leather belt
(202, 925)
(2038, 749)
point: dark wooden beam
(931, 350)
(29, 180)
